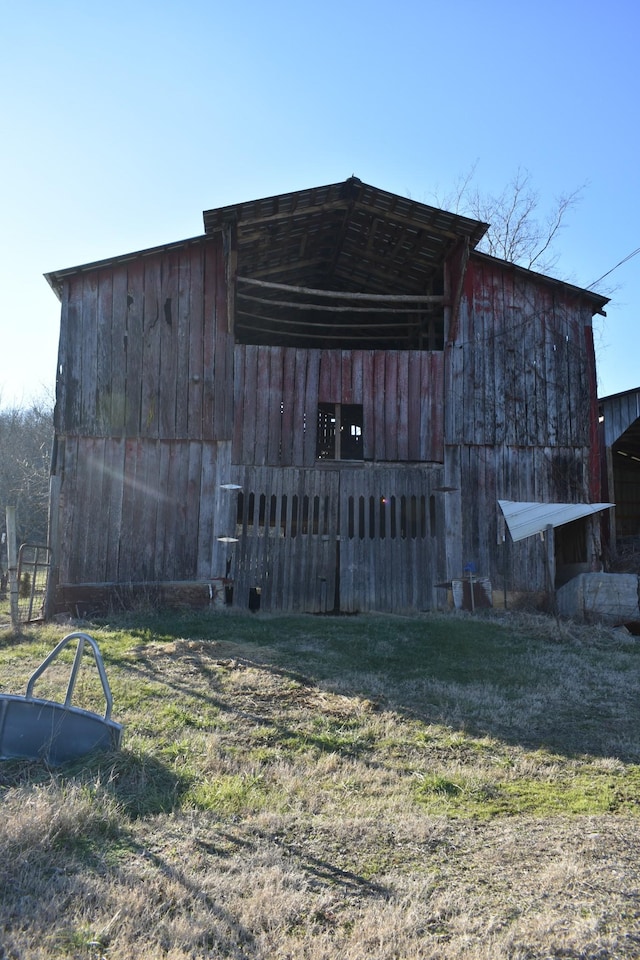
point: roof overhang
(595, 300)
(346, 236)
(525, 519)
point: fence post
(12, 560)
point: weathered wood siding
(145, 349)
(369, 538)
(520, 414)
(278, 389)
(157, 409)
(133, 510)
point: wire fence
(32, 576)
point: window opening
(339, 435)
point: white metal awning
(526, 519)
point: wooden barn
(316, 406)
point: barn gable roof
(346, 236)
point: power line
(629, 257)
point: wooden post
(550, 567)
(12, 560)
(53, 540)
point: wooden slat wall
(143, 510)
(291, 560)
(520, 368)
(291, 555)
(518, 416)
(383, 565)
(277, 391)
(145, 348)
(483, 475)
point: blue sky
(120, 123)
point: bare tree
(25, 449)
(519, 230)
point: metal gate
(33, 576)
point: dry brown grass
(258, 811)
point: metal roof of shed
(525, 519)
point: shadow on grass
(566, 690)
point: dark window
(339, 434)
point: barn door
(348, 540)
(389, 522)
(285, 555)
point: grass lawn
(332, 787)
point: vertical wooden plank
(289, 415)
(311, 408)
(134, 348)
(357, 374)
(69, 506)
(223, 394)
(240, 394)
(347, 377)
(89, 543)
(210, 267)
(402, 393)
(126, 545)
(89, 353)
(206, 545)
(250, 412)
(275, 400)
(196, 334)
(118, 340)
(105, 359)
(71, 374)
(415, 425)
(64, 368)
(335, 361)
(368, 406)
(325, 388)
(167, 326)
(391, 405)
(152, 320)
(184, 567)
(300, 425)
(379, 405)
(149, 495)
(114, 477)
(261, 442)
(182, 335)
(163, 532)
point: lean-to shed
(620, 449)
(316, 405)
